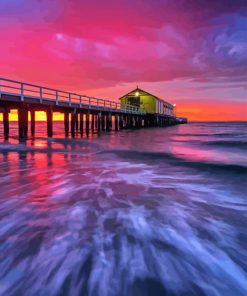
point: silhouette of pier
(78, 110)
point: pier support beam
(87, 122)
(145, 121)
(99, 122)
(138, 122)
(81, 123)
(103, 122)
(32, 115)
(127, 121)
(49, 123)
(149, 121)
(131, 122)
(92, 122)
(6, 124)
(96, 122)
(76, 122)
(116, 123)
(73, 123)
(108, 122)
(66, 124)
(23, 122)
(120, 121)
(157, 120)
(134, 121)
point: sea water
(159, 211)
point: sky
(192, 53)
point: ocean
(158, 211)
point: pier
(81, 113)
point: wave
(220, 143)
(230, 143)
(178, 161)
(22, 148)
(76, 147)
(79, 141)
(210, 134)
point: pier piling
(72, 124)
(81, 123)
(108, 122)
(49, 123)
(23, 122)
(131, 121)
(66, 123)
(120, 121)
(92, 122)
(76, 122)
(103, 122)
(87, 122)
(32, 115)
(96, 122)
(6, 124)
(99, 122)
(116, 123)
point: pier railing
(27, 90)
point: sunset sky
(192, 53)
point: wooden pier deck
(98, 113)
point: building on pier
(147, 102)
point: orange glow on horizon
(212, 111)
(39, 116)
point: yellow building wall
(147, 102)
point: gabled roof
(144, 92)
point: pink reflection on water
(196, 153)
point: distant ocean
(159, 211)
